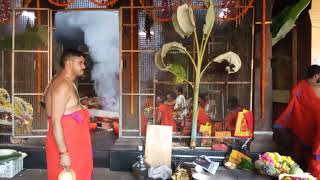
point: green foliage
(179, 72)
(285, 21)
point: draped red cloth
(302, 118)
(78, 141)
(166, 116)
(143, 124)
(203, 118)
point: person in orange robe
(170, 100)
(302, 119)
(77, 138)
(68, 142)
(164, 114)
(203, 117)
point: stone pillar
(263, 123)
(263, 140)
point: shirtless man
(61, 101)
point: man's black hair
(68, 53)
(313, 70)
(160, 98)
(179, 89)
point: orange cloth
(202, 117)
(143, 124)
(166, 116)
(302, 117)
(231, 119)
(78, 141)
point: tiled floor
(106, 174)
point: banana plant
(184, 24)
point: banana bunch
(4, 99)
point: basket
(11, 168)
(303, 176)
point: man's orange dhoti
(78, 141)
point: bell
(140, 168)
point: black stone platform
(118, 155)
(125, 151)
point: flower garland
(4, 11)
(273, 164)
(156, 18)
(98, 3)
(23, 108)
(4, 97)
(104, 3)
(244, 11)
(61, 4)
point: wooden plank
(281, 96)
(294, 56)
(158, 145)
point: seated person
(233, 108)
(203, 118)
(164, 114)
(180, 107)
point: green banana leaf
(12, 156)
(179, 72)
(285, 21)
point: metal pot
(140, 168)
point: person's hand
(65, 160)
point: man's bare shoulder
(60, 84)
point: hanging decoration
(165, 10)
(4, 11)
(147, 26)
(104, 2)
(230, 10)
(61, 4)
(96, 2)
(26, 3)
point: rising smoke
(101, 35)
